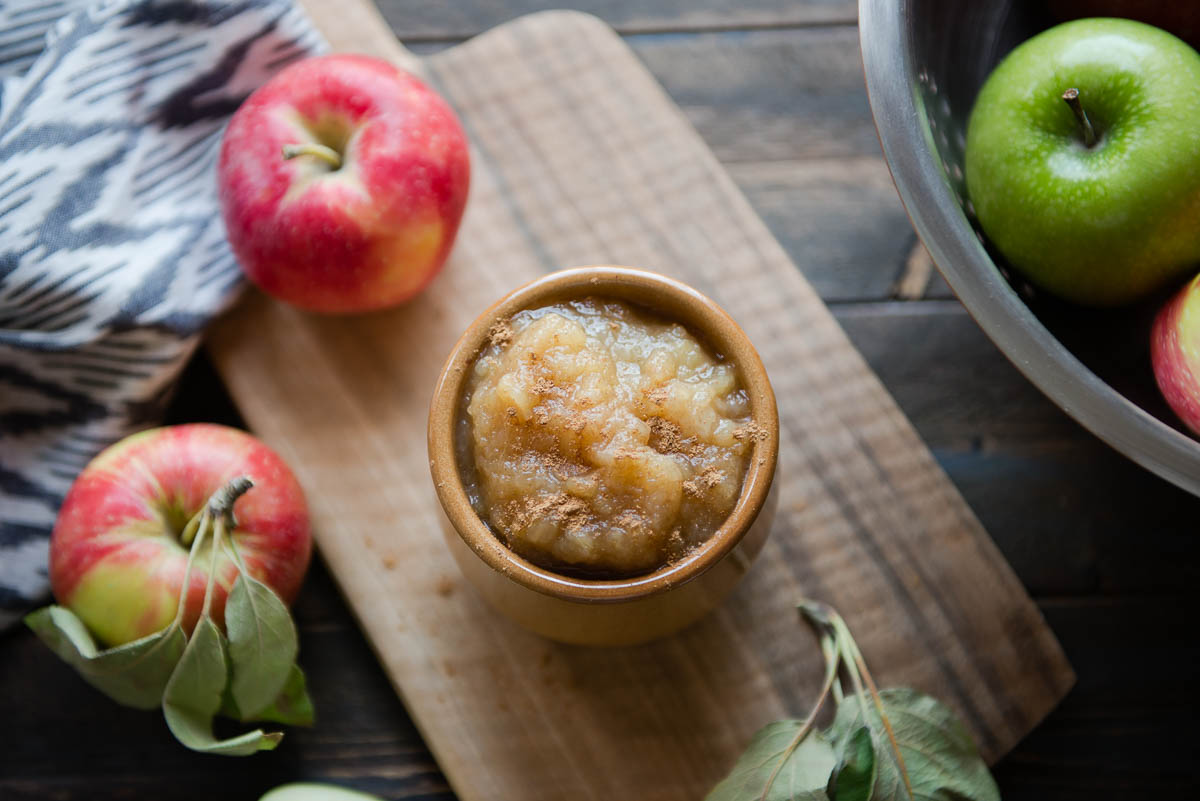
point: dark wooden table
(1108, 550)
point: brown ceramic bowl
(620, 611)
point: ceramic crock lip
(704, 317)
(889, 67)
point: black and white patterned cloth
(112, 251)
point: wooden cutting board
(580, 158)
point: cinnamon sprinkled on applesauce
(709, 478)
(600, 440)
(751, 431)
(500, 334)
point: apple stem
(327, 154)
(1085, 125)
(220, 505)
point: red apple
(116, 557)
(342, 182)
(1175, 353)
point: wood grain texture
(768, 95)
(580, 158)
(780, 95)
(786, 112)
(1071, 515)
(61, 740)
(418, 20)
(1111, 725)
(839, 219)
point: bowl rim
(942, 226)
(674, 299)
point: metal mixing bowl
(925, 60)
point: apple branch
(1085, 125)
(327, 154)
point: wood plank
(1069, 513)
(581, 158)
(772, 95)
(998, 439)
(840, 221)
(768, 95)
(956, 387)
(787, 112)
(913, 283)
(417, 20)
(1107, 730)
(62, 739)
(1126, 730)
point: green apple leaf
(193, 697)
(134, 674)
(854, 777)
(229, 707)
(292, 706)
(939, 755)
(775, 768)
(262, 644)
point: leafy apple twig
(883, 745)
(250, 674)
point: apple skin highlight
(1175, 353)
(116, 559)
(368, 232)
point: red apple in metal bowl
(342, 183)
(119, 550)
(1175, 353)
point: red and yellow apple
(342, 183)
(116, 555)
(1175, 353)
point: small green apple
(1096, 200)
(313, 791)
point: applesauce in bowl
(603, 443)
(600, 440)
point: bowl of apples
(1048, 155)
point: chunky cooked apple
(602, 440)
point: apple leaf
(939, 756)
(193, 697)
(292, 706)
(775, 768)
(854, 778)
(262, 644)
(890, 745)
(134, 674)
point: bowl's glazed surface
(620, 611)
(925, 61)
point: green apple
(312, 791)
(1096, 200)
